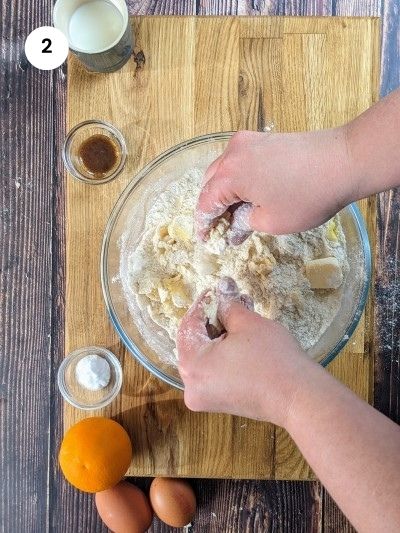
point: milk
(95, 26)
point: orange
(95, 454)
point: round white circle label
(46, 48)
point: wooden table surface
(33, 495)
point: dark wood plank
(360, 8)
(253, 507)
(162, 7)
(257, 7)
(334, 520)
(387, 308)
(59, 490)
(220, 7)
(31, 319)
(237, 506)
(27, 131)
(357, 8)
(258, 507)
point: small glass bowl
(77, 395)
(80, 133)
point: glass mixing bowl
(124, 230)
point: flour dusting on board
(167, 269)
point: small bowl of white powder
(90, 378)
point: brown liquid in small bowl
(99, 155)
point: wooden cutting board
(190, 76)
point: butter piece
(332, 230)
(324, 273)
(181, 228)
(177, 291)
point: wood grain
(222, 81)
(153, 412)
(27, 102)
(366, 8)
(387, 311)
(334, 520)
(162, 7)
(30, 188)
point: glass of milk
(98, 32)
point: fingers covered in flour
(240, 227)
(215, 198)
(233, 306)
(198, 327)
(192, 334)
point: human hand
(251, 370)
(290, 182)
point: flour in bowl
(169, 268)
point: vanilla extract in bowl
(94, 152)
(99, 155)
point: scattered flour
(168, 268)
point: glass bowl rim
(73, 355)
(130, 345)
(125, 16)
(67, 143)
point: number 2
(46, 49)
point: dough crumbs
(169, 268)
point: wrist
(356, 173)
(307, 383)
(317, 393)
(341, 167)
(287, 384)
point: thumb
(215, 197)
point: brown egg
(173, 501)
(124, 508)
